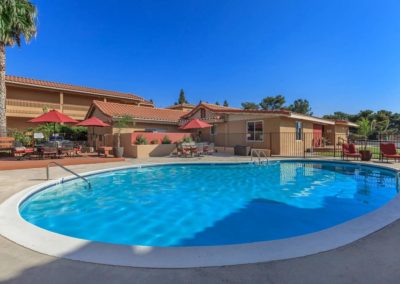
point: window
(213, 129)
(255, 131)
(299, 130)
(202, 113)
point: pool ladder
(66, 169)
(259, 153)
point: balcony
(31, 109)
(75, 111)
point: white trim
(15, 228)
(311, 118)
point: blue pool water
(196, 205)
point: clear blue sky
(340, 55)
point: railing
(28, 108)
(259, 153)
(66, 169)
(308, 144)
(31, 108)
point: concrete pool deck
(373, 259)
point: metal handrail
(258, 154)
(66, 169)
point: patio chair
(67, 148)
(210, 149)
(49, 150)
(199, 149)
(187, 150)
(21, 152)
(389, 151)
(349, 150)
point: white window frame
(247, 131)
(301, 130)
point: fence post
(270, 142)
(334, 145)
(304, 145)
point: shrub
(141, 140)
(154, 141)
(187, 139)
(25, 140)
(166, 140)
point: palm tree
(17, 20)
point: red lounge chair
(389, 151)
(349, 150)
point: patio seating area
(192, 149)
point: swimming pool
(210, 204)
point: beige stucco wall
(32, 94)
(139, 151)
(28, 102)
(289, 146)
(234, 132)
(146, 151)
(341, 133)
(19, 123)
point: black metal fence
(305, 144)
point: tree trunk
(3, 121)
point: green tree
(337, 115)
(17, 21)
(273, 103)
(250, 105)
(382, 120)
(365, 129)
(122, 122)
(217, 103)
(301, 106)
(182, 98)
(226, 104)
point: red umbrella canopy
(53, 116)
(93, 121)
(196, 124)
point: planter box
(146, 151)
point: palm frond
(17, 21)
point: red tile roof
(138, 112)
(222, 109)
(67, 87)
(181, 106)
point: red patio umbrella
(53, 116)
(94, 122)
(196, 124)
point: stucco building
(26, 99)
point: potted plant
(119, 123)
(365, 129)
(166, 140)
(141, 140)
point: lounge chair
(199, 149)
(210, 149)
(349, 150)
(389, 151)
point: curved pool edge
(15, 228)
